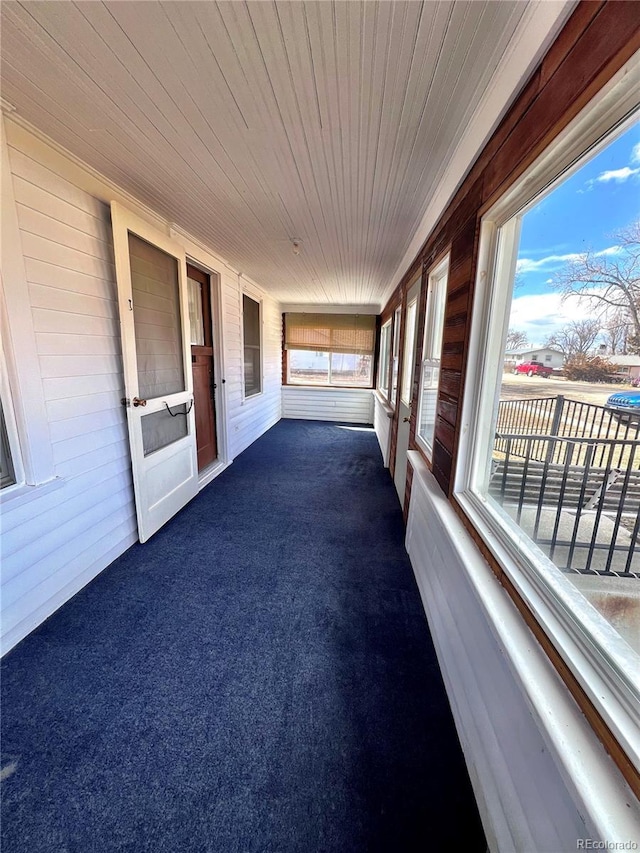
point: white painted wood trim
(484, 648)
(315, 308)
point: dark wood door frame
(202, 356)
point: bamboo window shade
(343, 333)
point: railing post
(557, 415)
(554, 429)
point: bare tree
(576, 337)
(616, 332)
(609, 281)
(516, 340)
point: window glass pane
(351, 369)
(252, 343)
(156, 315)
(562, 466)
(7, 475)
(408, 358)
(161, 428)
(430, 378)
(383, 374)
(308, 368)
(397, 322)
(196, 318)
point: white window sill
(603, 663)
(22, 493)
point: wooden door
(202, 365)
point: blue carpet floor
(257, 677)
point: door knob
(138, 402)
(404, 420)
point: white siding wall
(57, 538)
(351, 405)
(55, 542)
(382, 425)
(541, 777)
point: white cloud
(541, 314)
(556, 262)
(619, 176)
(635, 153)
(525, 265)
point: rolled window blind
(345, 333)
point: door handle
(138, 402)
(406, 420)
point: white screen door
(406, 388)
(154, 315)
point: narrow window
(385, 351)
(251, 327)
(407, 360)
(7, 471)
(431, 352)
(397, 324)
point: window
(330, 349)
(397, 322)
(431, 350)
(385, 351)
(7, 471)
(252, 339)
(547, 476)
(407, 360)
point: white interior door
(153, 301)
(406, 389)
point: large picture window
(548, 462)
(252, 339)
(330, 349)
(431, 353)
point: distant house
(546, 355)
(628, 367)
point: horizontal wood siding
(348, 405)
(59, 540)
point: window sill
(22, 493)
(382, 400)
(603, 664)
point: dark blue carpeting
(257, 677)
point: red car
(533, 368)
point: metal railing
(558, 416)
(578, 498)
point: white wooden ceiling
(249, 124)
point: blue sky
(582, 213)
